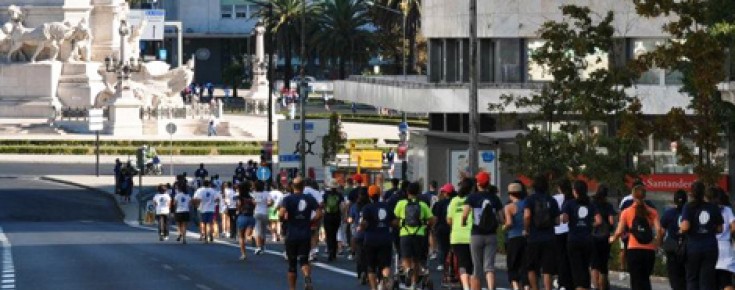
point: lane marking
(167, 267)
(8, 277)
(203, 287)
(184, 277)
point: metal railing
(421, 82)
(77, 114)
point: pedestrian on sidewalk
(182, 202)
(245, 220)
(581, 216)
(459, 237)
(296, 211)
(515, 244)
(162, 203)
(486, 208)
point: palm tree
(285, 23)
(343, 35)
(388, 22)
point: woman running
(516, 242)
(263, 200)
(581, 216)
(181, 214)
(675, 265)
(726, 257)
(600, 235)
(245, 220)
(459, 238)
(701, 221)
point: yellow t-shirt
(460, 234)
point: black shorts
(181, 217)
(414, 247)
(600, 255)
(464, 258)
(297, 251)
(540, 256)
(377, 257)
(724, 278)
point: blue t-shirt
(581, 220)
(536, 234)
(356, 214)
(379, 219)
(703, 221)
(389, 193)
(477, 202)
(299, 208)
(670, 222)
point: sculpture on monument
(134, 39)
(81, 39)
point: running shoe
(440, 268)
(350, 257)
(258, 251)
(178, 239)
(243, 257)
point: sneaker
(165, 238)
(440, 268)
(307, 284)
(178, 239)
(243, 257)
(350, 257)
(258, 251)
(432, 256)
(623, 276)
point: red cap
(357, 178)
(447, 188)
(483, 178)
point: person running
(600, 235)
(245, 207)
(486, 210)
(581, 216)
(333, 206)
(701, 221)
(239, 173)
(675, 264)
(231, 209)
(726, 257)
(207, 198)
(641, 221)
(413, 216)
(263, 200)
(312, 188)
(201, 174)
(182, 202)
(296, 211)
(393, 190)
(162, 203)
(626, 202)
(275, 227)
(358, 237)
(516, 242)
(561, 232)
(442, 228)
(430, 197)
(376, 223)
(459, 237)
(539, 218)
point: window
(241, 11)
(226, 11)
(509, 60)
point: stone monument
(258, 95)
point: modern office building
(507, 35)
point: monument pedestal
(125, 115)
(79, 84)
(28, 90)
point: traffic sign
(171, 128)
(96, 120)
(154, 20)
(264, 173)
(403, 127)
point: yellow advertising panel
(368, 159)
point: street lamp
(303, 94)
(473, 115)
(123, 66)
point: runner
(375, 224)
(207, 198)
(675, 263)
(181, 203)
(333, 207)
(162, 203)
(441, 228)
(357, 236)
(413, 216)
(600, 235)
(245, 220)
(312, 188)
(515, 243)
(701, 221)
(296, 211)
(539, 218)
(262, 202)
(487, 214)
(225, 205)
(561, 232)
(726, 257)
(275, 227)
(231, 215)
(581, 216)
(460, 235)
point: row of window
(238, 11)
(509, 60)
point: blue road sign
(264, 173)
(403, 127)
(488, 156)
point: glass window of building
(486, 55)
(253, 10)
(241, 11)
(226, 11)
(654, 76)
(509, 60)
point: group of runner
(557, 233)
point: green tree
(390, 32)
(698, 51)
(335, 139)
(233, 75)
(582, 93)
(342, 33)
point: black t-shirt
(581, 220)
(328, 196)
(535, 234)
(703, 221)
(477, 202)
(299, 208)
(355, 193)
(606, 210)
(201, 173)
(240, 171)
(378, 219)
(389, 193)
(440, 212)
(670, 221)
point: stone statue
(48, 35)
(81, 42)
(134, 39)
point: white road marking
(8, 277)
(200, 286)
(167, 267)
(184, 277)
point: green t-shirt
(400, 213)
(460, 234)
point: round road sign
(171, 128)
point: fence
(77, 114)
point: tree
(334, 140)
(233, 74)
(342, 33)
(390, 25)
(698, 52)
(581, 93)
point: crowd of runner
(555, 235)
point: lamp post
(473, 115)
(271, 48)
(123, 66)
(303, 94)
(125, 108)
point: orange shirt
(627, 216)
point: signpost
(289, 132)
(155, 22)
(263, 173)
(96, 123)
(171, 129)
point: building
(507, 33)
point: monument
(80, 54)
(258, 95)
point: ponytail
(641, 210)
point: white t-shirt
(182, 202)
(562, 228)
(315, 194)
(726, 255)
(162, 201)
(261, 202)
(276, 196)
(230, 198)
(208, 198)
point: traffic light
(140, 158)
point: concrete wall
(522, 18)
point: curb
(120, 211)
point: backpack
(413, 214)
(488, 220)
(331, 206)
(542, 217)
(641, 230)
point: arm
(526, 220)
(465, 213)
(598, 220)
(508, 211)
(658, 229)
(618, 231)
(282, 214)
(564, 218)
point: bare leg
(292, 281)
(547, 281)
(532, 280)
(490, 276)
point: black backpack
(542, 216)
(413, 214)
(488, 220)
(641, 230)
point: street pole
(404, 50)
(97, 152)
(269, 76)
(302, 97)
(473, 117)
(171, 153)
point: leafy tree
(234, 74)
(699, 32)
(581, 94)
(342, 33)
(334, 140)
(391, 35)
